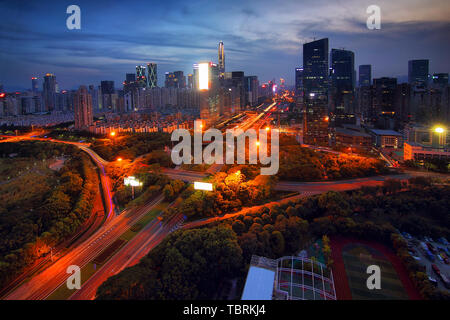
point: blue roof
(259, 284)
(385, 132)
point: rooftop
(381, 132)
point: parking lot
(420, 255)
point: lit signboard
(132, 181)
(203, 186)
(203, 76)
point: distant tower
(221, 60)
(49, 89)
(83, 109)
(140, 76)
(418, 72)
(34, 84)
(152, 78)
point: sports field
(357, 257)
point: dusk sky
(261, 37)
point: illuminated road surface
(129, 255)
(43, 284)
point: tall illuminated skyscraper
(83, 109)
(342, 81)
(140, 76)
(315, 92)
(221, 60)
(152, 77)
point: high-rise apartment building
(83, 109)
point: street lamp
(112, 134)
(119, 159)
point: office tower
(152, 77)
(365, 75)
(49, 91)
(221, 60)
(107, 87)
(141, 78)
(384, 101)
(315, 92)
(342, 81)
(34, 84)
(299, 81)
(251, 89)
(190, 81)
(179, 80)
(440, 79)
(170, 80)
(418, 72)
(83, 109)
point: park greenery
(181, 265)
(40, 207)
(234, 190)
(303, 164)
(131, 145)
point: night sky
(261, 37)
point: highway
(129, 255)
(45, 283)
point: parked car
(436, 269)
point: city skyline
(250, 46)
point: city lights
(439, 130)
(112, 134)
(119, 159)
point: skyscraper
(152, 77)
(34, 84)
(190, 81)
(384, 98)
(365, 75)
(49, 91)
(221, 60)
(141, 78)
(418, 72)
(180, 79)
(83, 109)
(342, 81)
(299, 81)
(315, 91)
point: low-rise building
(417, 152)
